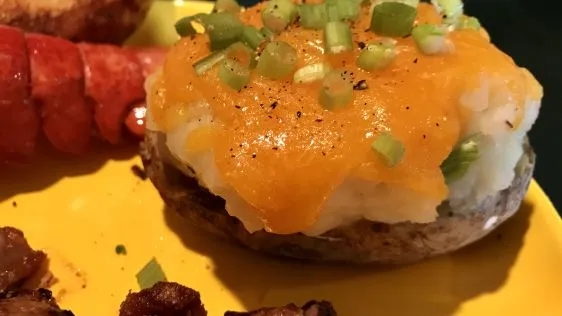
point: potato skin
(109, 21)
(363, 242)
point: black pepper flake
(437, 124)
(323, 154)
(299, 113)
(415, 61)
(318, 120)
(361, 45)
(270, 116)
(14, 204)
(407, 108)
(238, 107)
(361, 85)
(232, 156)
(254, 155)
(424, 136)
(275, 148)
(231, 149)
(509, 124)
(274, 105)
(139, 172)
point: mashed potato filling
(284, 164)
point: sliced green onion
(151, 274)
(393, 19)
(460, 159)
(224, 29)
(267, 33)
(185, 28)
(233, 74)
(227, 6)
(337, 37)
(348, 9)
(377, 56)
(337, 90)
(450, 9)
(277, 60)
(311, 73)
(120, 250)
(313, 16)
(468, 23)
(430, 38)
(208, 62)
(252, 37)
(279, 14)
(389, 149)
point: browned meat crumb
(30, 303)
(17, 260)
(163, 299)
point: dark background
(531, 32)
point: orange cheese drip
(285, 155)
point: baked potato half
(110, 21)
(362, 242)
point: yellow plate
(78, 211)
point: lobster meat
(69, 92)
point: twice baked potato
(110, 21)
(391, 149)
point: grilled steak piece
(30, 303)
(312, 308)
(18, 261)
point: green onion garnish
(430, 38)
(337, 90)
(120, 250)
(450, 9)
(311, 73)
(227, 6)
(234, 74)
(389, 149)
(151, 274)
(393, 19)
(337, 37)
(279, 14)
(185, 28)
(313, 16)
(205, 64)
(460, 159)
(267, 33)
(242, 54)
(468, 23)
(377, 56)
(348, 9)
(277, 60)
(252, 37)
(224, 29)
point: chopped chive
(227, 6)
(389, 149)
(450, 9)
(277, 60)
(252, 37)
(377, 56)
(311, 73)
(468, 23)
(337, 90)
(208, 62)
(233, 74)
(120, 249)
(184, 27)
(460, 159)
(224, 29)
(313, 16)
(150, 274)
(393, 19)
(337, 37)
(430, 38)
(279, 14)
(348, 9)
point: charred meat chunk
(17, 260)
(30, 303)
(312, 308)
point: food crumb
(361, 85)
(14, 204)
(121, 250)
(139, 172)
